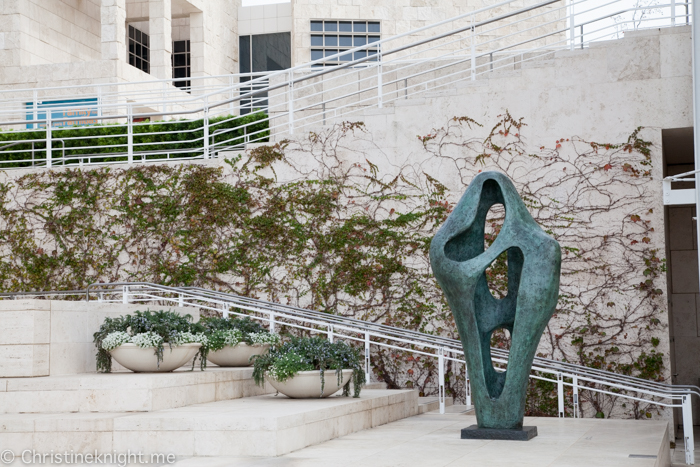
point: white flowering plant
(223, 332)
(149, 329)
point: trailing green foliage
(149, 329)
(307, 354)
(177, 137)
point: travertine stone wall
(265, 19)
(54, 337)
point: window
(332, 37)
(260, 53)
(138, 49)
(181, 63)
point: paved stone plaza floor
(432, 440)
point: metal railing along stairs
(434, 58)
(368, 334)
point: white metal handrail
(432, 58)
(368, 334)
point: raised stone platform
(253, 426)
(434, 440)
(126, 391)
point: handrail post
(35, 105)
(330, 333)
(473, 50)
(49, 136)
(688, 438)
(673, 12)
(230, 95)
(441, 379)
(272, 322)
(290, 101)
(572, 33)
(101, 297)
(125, 295)
(367, 362)
(467, 387)
(379, 80)
(129, 134)
(560, 394)
(205, 122)
(575, 387)
(181, 300)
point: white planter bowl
(238, 355)
(139, 359)
(307, 384)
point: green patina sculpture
(459, 262)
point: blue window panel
(316, 54)
(345, 26)
(317, 41)
(317, 25)
(373, 39)
(373, 27)
(345, 57)
(360, 27)
(330, 52)
(360, 54)
(346, 41)
(330, 26)
(360, 40)
(332, 41)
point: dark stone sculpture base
(474, 432)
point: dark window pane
(271, 51)
(373, 27)
(146, 68)
(330, 25)
(139, 50)
(346, 41)
(316, 54)
(180, 59)
(360, 27)
(132, 47)
(373, 39)
(179, 73)
(131, 32)
(317, 41)
(244, 54)
(360, 54)
(132, 61)
(145, 39)
(360, 40)
(179, 47)
(345, 26)
(138, 63)
(331, 41)
(188, 45)
(317, 25)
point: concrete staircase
(217, 412)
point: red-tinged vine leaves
(329, 222)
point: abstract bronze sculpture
(459, 262)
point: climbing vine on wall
(326, 223)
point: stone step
(428, 404)
(265, 425)
(126, 391)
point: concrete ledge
(126, 391)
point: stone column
(197, 44)
(113, 18)
(161, 41)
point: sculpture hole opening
(497, 276)
(500, 339)
(494, 223)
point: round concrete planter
(307, 384)
(140, 359)
(238, 355)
